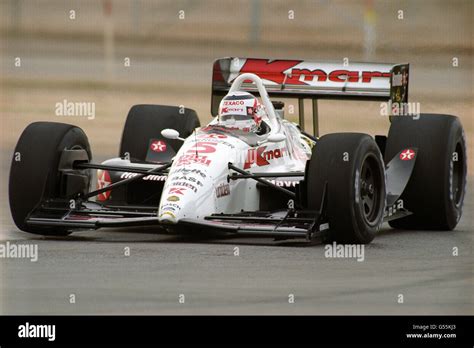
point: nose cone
(181, 199)
(172, 202)
(199, 167)
(167, 217)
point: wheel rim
(457, 183)
(370, 189)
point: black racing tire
(436, 189)
(35, 177)
(145, 122)
(352, 166)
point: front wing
(92, 215)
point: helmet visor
(224, 118)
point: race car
(251, 171)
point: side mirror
(276, 138)
(171, 134)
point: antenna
(195, 142)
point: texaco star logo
(158, 146)
(407, 155)
(103, 180)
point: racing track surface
(92, 266)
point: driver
(241, 111)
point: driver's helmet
(241, 111)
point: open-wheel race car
(250, 171)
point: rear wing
(313, 80)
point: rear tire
(34, 174)
(436, 189)
(145, 122)
(352, 166)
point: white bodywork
(198, 185)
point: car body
(198, 183)
(246, 183)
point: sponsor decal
(306, 76)
(176, 190)
(212, 135)
(170, 207)
(186, 171)
(185, 184)
(226, 143)
(233, 102)
(158, 146)
(150, 177)
(284, 71)
(192, 159)
(217, 128)
(159, 150)
(260, 157)
(400, 79)
(202, 147)
(216, 142)
(214, 129)
(255, 156)
(173, 209)
(407, 155)
(237, 111)
(103, 180)
(273, 70)
(173, 199)
(193, 154)
(187, 178)
(155, 178)
(284, 183)
(397, 80)
(399, 91)
(397, 206)
(168, 213)
(222, 190)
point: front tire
(34, 174)
(351, 165)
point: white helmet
(242, 111)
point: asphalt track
(92, 266)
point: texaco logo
(158, 146)
(407, 155)
(103, 180)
